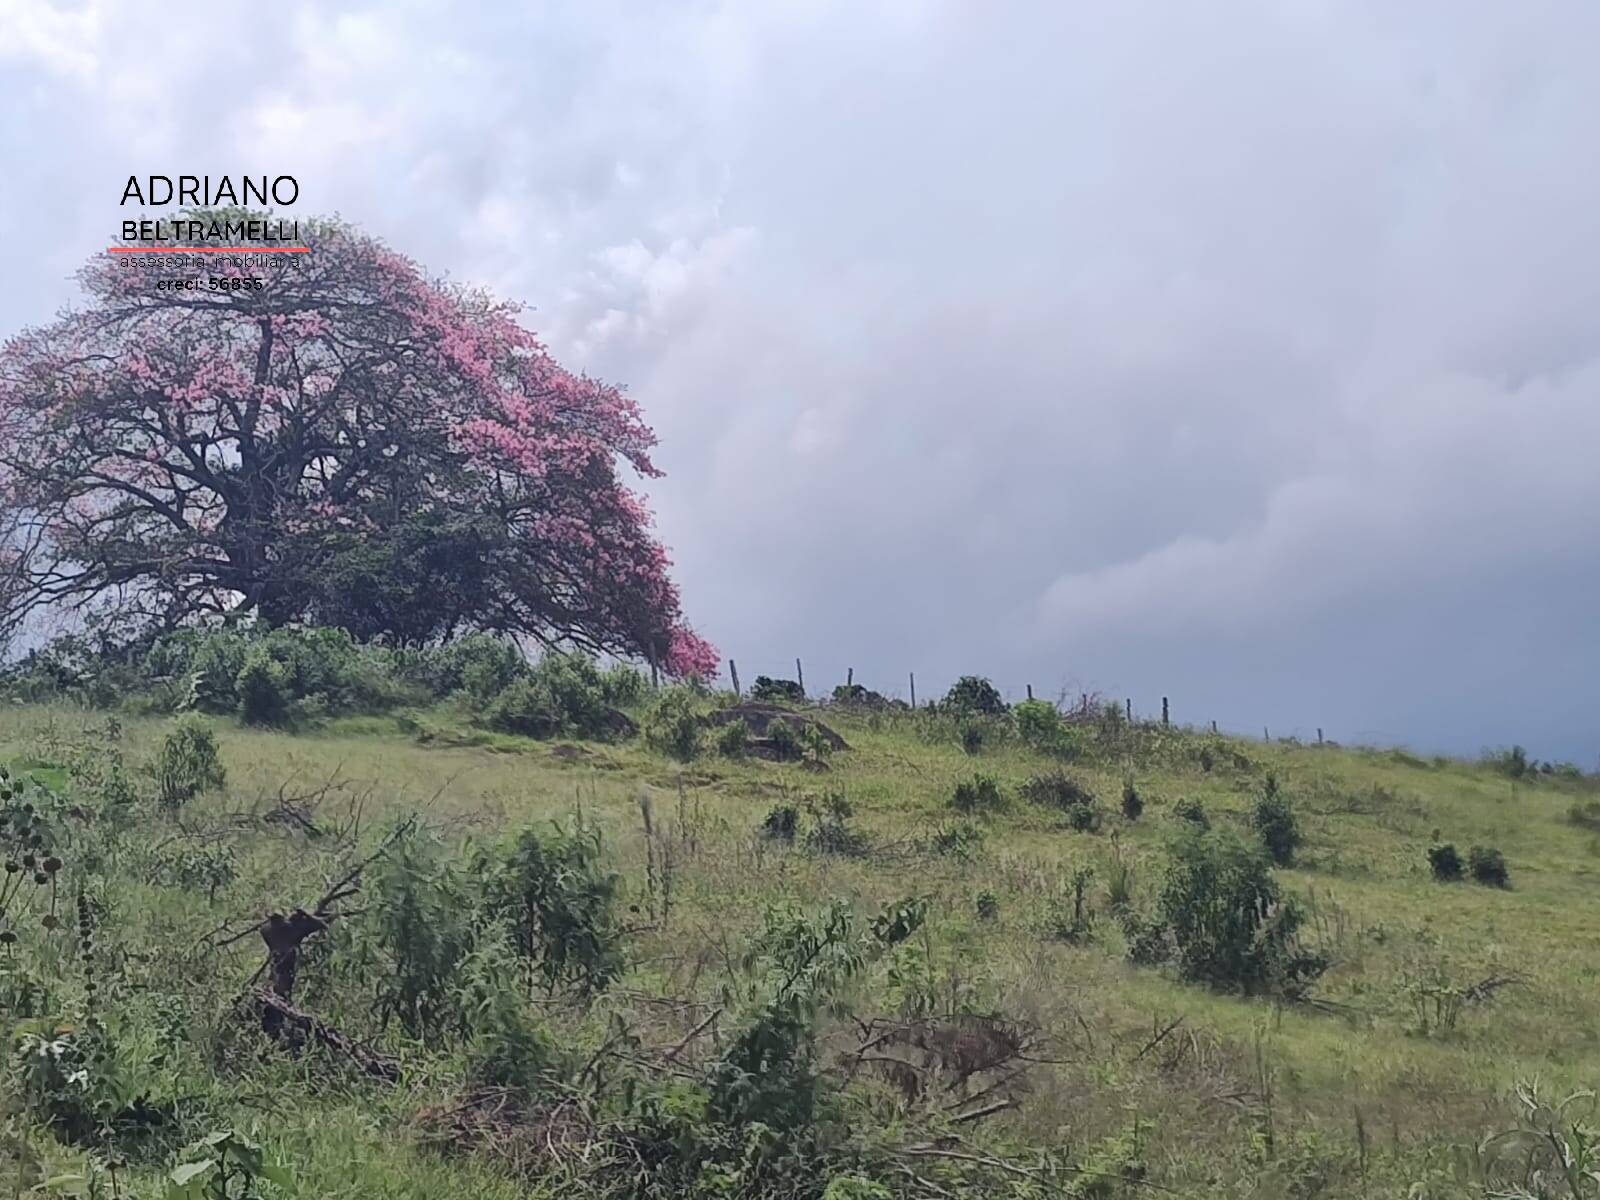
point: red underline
(208, 249)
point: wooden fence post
(913, 689)
(800, 676)
(849, 677)
(733, 669)
(1265, 736)
(1129, 703)
(1030, 691)
(1164, 719)
(1213, 727)
(1319, 735)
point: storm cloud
(1247, 354)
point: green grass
(1242, 1098)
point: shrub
(1057, 789)
(833, 833)
(980, 794)
(973, 736)
(672, 724)
(1488, 866)
(1067, 916)
(1038, 724)
(1149, 942)
(781, 823)
(1585, 814)
(1274, 822)
(552, 892)
(733, 739)
(987, 906)
(1230, 924)
(1192, 812)
(523, 707)
(1512, 762)
(776, 691)
(262, 689)
(1084, 816)
(623, 685)
(1445, 863)
(784, 741)
(576, 691)
(188, 764)
(960, 841)
(1132, 802)
(973, 696)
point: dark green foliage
(832, 832)
(980, 794)
(672, 724)
(1445, 863)
(1067, 915)
(961, 840)
(973, 695)
(782, 822)
(784, 741)
(523, 707)
(1512, 762)
(1059, 790)
(1231, 925)
(1149, 942)
(973, 736)
(899, 921)
(553, 894)
(853, 695)
(1274, 821)
(188, 763)
(1586, 814)
(262, 687)
(776, 691)
(1191, 812)
(733, 739)
(1132, 802)
(623, 686)
(1488, 866)
(1038, 724)
(987, 906)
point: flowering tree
(352, 442)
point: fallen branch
(288, 1017)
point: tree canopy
(354, 443)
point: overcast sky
(1243, 353)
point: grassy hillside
(1111, 1078)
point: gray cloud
(1246, 354)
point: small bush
(784, 741)
(973, 736)
(1512, 762)
(767, 690)
(974, 696)
(1132, 802)
(1488, 866)
(980, 794)
(1038, 724)
(781, 823)
(1585, 814)
(1231, 925)
(1191, 812)
(1275, 824)
(1084, 816)
(1067, 914)
(733, 739)
(1445, 863)
(987, 906)
(1149, 942)
(262, 689)
(833, 833)
(188, 764)
(623, 686)
(961, 841)
(672, 724)
(1057, 789)
(523, 707)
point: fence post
(1030, 691)
(1319, 735)
(1129, 703)
(800, 676)
(1265, 736)
(733, 669)
(1164, 719)
(849, 677)
(913, 689)
(1213, 727)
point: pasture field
(1081, 1073)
